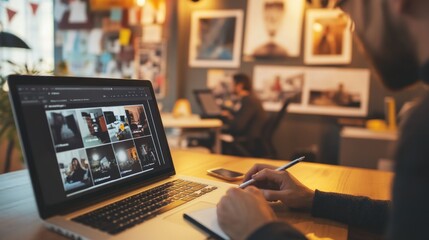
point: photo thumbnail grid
(98, 145)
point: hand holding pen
(279, 185)
(281, 168)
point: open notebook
(206, 219)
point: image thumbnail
(146, 152)
(138, 121)
(93, 127)
(64, 129)
(74, 170)
(103, 164)
(128, 160)
(117, 123)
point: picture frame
(273, 29)
(274, 84)
(317, 91)
(336, 92)
(328, 39)
(215, 39)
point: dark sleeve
(410, 212)
(276, 231)
(356, 211)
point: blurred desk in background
(189, 125)
(365, 148)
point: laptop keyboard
(124, 214)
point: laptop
(99, 161)
(207, 103)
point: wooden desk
(19, 218)
(195, 123)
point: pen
(282, 168)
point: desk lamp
(182, 108)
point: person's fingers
(233, 192)
(256, 168)
(271, 175)
(272, 195)
(253, 190)
(226, 203)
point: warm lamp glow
(317, 27)
(182, 108)
(141, 3)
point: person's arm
(356, 211)
(352, 210)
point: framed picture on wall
(273, 29)
(215, 39)
(328, 38)
(318, 91)
(275, 84)
(336, 91)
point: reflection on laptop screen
(87, 138)
(208, 103)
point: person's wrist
(308, 199)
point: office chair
(265, 147)
(270, 129)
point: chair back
(271, 127)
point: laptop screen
(84, 136)
(207, 102)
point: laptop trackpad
(177, 217)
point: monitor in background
(207, 103)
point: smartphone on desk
(225, 174)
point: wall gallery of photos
(273, 34)
(116, 38)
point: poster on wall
(75, 53)
(117, 39)
(215, 39)
(73, 14)
(320, 91)
(273, 29)
(328, 37)
(150, 65)
(98, 53)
